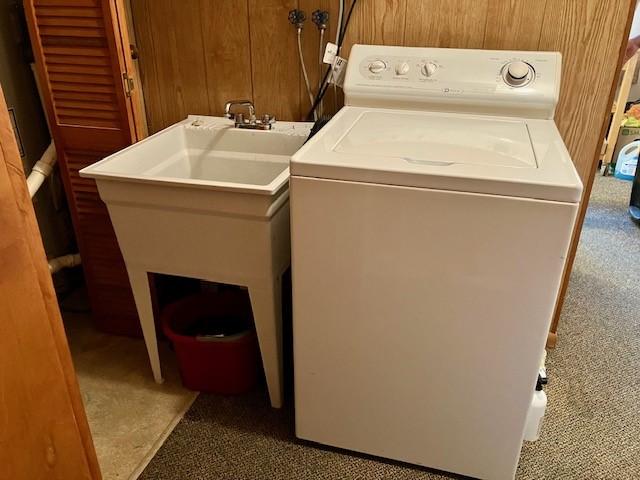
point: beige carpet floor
(129, 414)
(592, 426)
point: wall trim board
(588, 182)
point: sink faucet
(263, 123)
(240, 103)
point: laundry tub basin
(206, 200)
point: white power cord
(320, 55)
(304, 73)
(340, 15)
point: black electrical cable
(341, 37)
(325, 83)
(320, 95)
(343, 32)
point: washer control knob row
(518, 73)
(377, 66)
(429, 69)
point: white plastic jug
(535, 416)
(627, 161)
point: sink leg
(142, 296)
(266, 303)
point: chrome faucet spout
(248, 104)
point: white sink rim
(103, 169)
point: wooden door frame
(37, 267)
(552, 339)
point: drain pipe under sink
(40, 171)
(65, 261)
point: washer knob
(428, 69)
(377, 66)
(517, 73)
(402, 68)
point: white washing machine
(431, 219)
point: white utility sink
(204, 199)
(209, 152)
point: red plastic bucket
(223, 363)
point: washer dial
(518, 73)
(377, 66)
(402, 68)
(429, 69)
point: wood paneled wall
(196, 54)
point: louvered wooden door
(82, 56)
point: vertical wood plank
(276, 71)
(376, 22)
(151, 81)
(446, 23)
(133, 67)
(180, 61)
(514, 24)
(227, 52)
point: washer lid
(439, 141)
(446, 151)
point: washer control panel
(516, 73)
(481, 81)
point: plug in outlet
(339, 70)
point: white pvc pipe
(66, 261)
(42, 169)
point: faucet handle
(268, 119)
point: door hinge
(128, 84)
